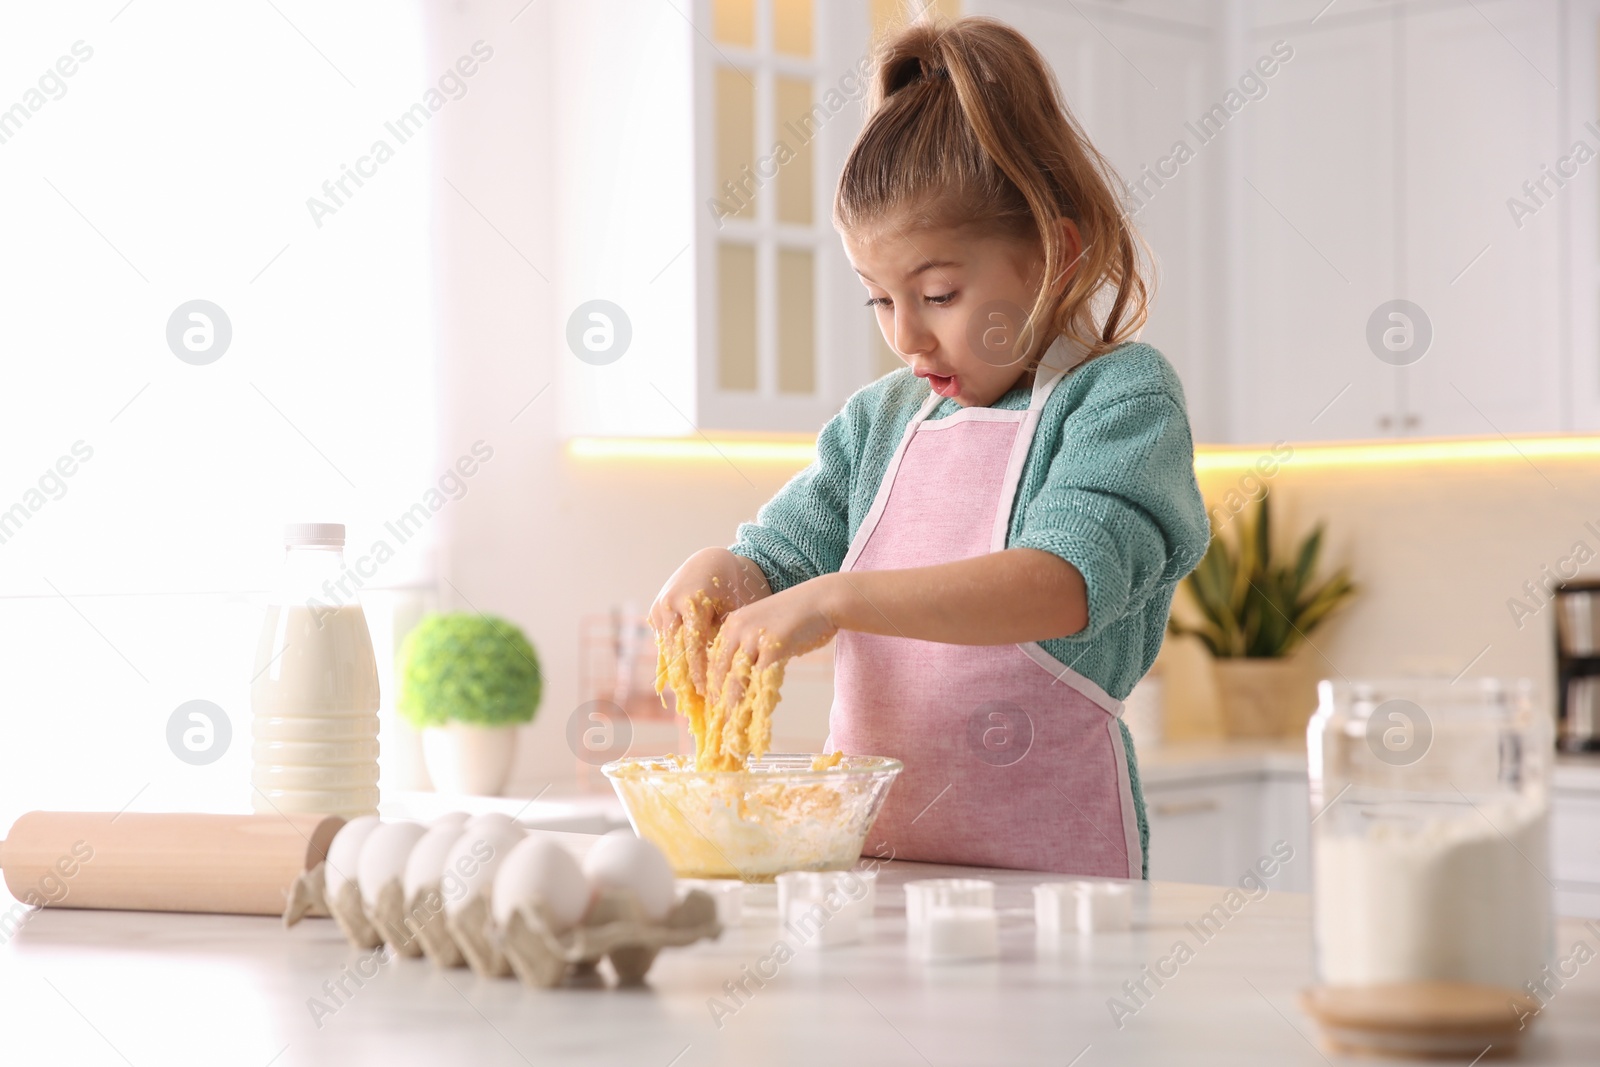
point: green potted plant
(466, 682)
(1256, 610)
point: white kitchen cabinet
(1377, 161)
(1215, 829)
(1390, 157)
(1201, 833)
(1575, 849)
(1579, 213)
(702, 283)
(1479, 96)
(1320, 214)
(1136, 75)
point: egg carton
(309, 896)
(614, 928)
(530, 945)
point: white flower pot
(470, 760)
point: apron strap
(1062, 356)
(923, 412)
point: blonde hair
(966, 126)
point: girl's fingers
(735, 674)
(665, 623)
(724, 655)
(695, 652)
(733, 689)
(696, 618)
(662, 621)
(717, 662)
(768, 654)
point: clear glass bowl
(778, 815)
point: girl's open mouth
(944, 385)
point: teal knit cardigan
(1108, 486)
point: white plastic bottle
(314, 696)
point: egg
(539, 869)
(426, 862)
(384, 855)
(471, 863)
(490, 820)
(344, 854)
(621, 860)
(451, 818)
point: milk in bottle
(314, 697)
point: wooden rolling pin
(224, 864)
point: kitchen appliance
(1578, 666)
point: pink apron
(1011, 759)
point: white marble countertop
(119, 988)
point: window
(782, 84)
(176, 164)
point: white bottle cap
(328, 534)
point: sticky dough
(725, 736)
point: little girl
(994, 532)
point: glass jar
(314, 693)
(1430, 810)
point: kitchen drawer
(1203, 833)
(1215, 833)
(1575, 839)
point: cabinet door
(1480, 115)
(1285, 816)
(1134, 78)
(1319, 220)
(1575, 853)
(1202, 834)
(1578, 212)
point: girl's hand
(777, 628)
(729, 582)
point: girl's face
(951, 304)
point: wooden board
(1421, 1019)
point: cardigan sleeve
(1120, 503)
(804, 530)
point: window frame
(844, 354)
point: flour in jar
(1452, 898)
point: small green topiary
(475, 669)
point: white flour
(1446, 898)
